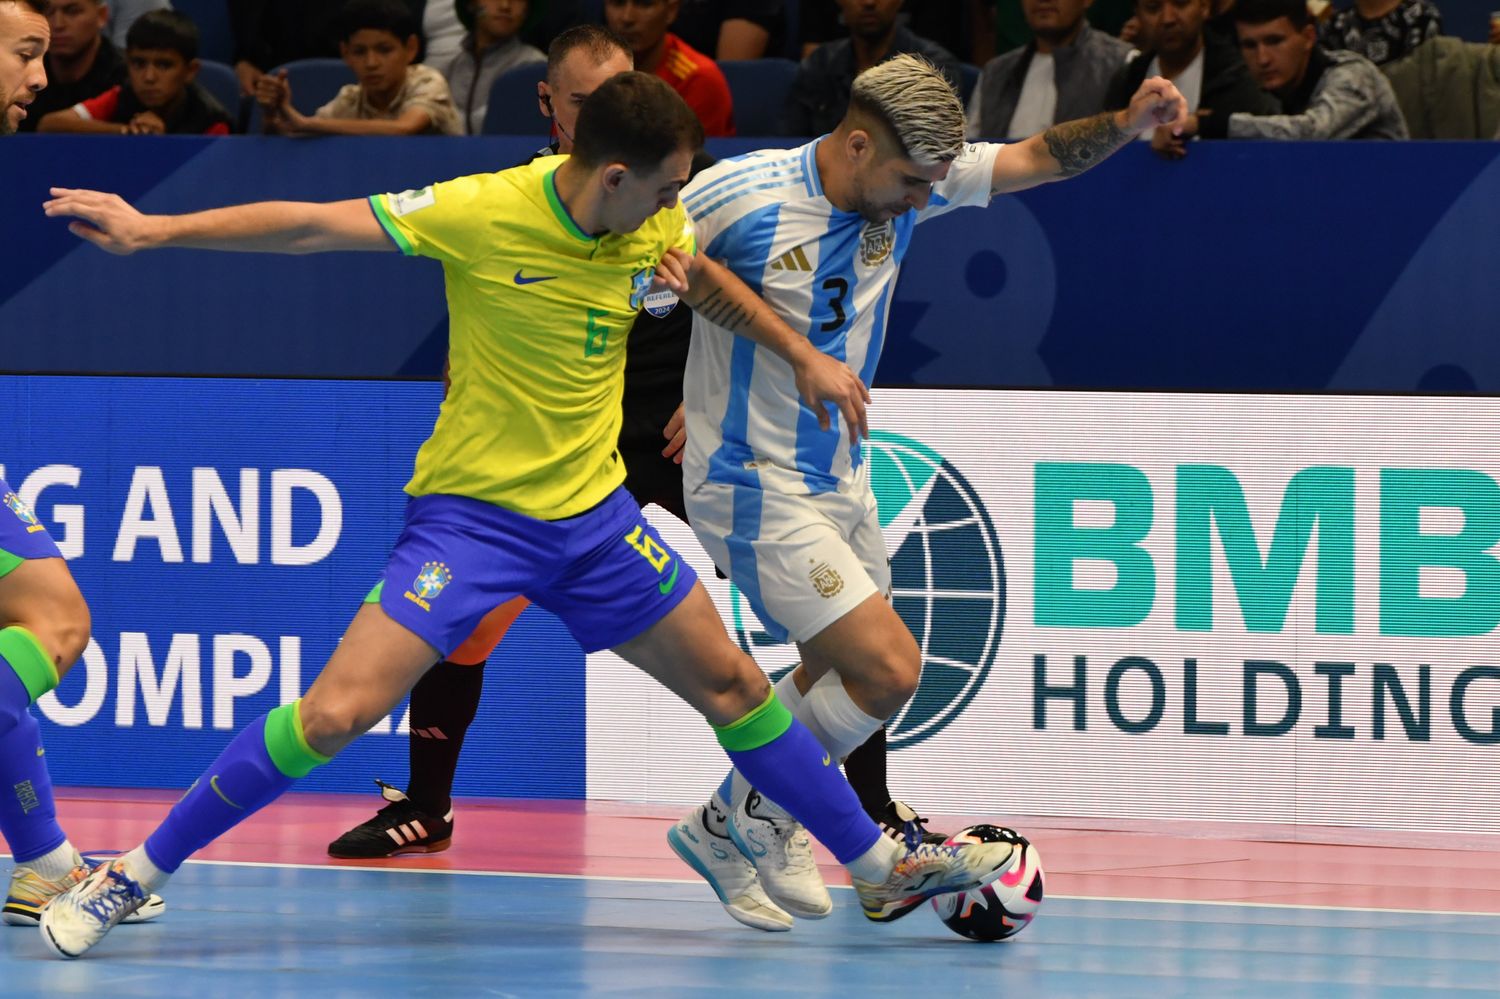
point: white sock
(55, 863)
(787, 692)
(139, 866)
(835, 720)
(876, 863)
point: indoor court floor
(568, 898)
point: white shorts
(801, 561)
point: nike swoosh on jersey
(522, 279)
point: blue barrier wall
(1251, 266)
(194, 637)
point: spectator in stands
(491, 48)
(1383, 30)
(271, 33)
(578, 60)
(392, 97)
(644, 25)
(81, 63)
(123, 13)
(442, 32)
(1324, 94)
(1113, 17)
(159, 97)
(1062, 74)
(1209, 73)
(733, 29)
(820, 93)
(965, 28)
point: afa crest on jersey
(877, 243)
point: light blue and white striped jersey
(828, 274)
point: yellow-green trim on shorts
(9, 561)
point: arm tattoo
(1078, 145)
(717, 309)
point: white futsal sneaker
(30, 892)
(930, 870)
(79, 918)
(727, 872)
(781, 851)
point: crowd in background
(1270, 69)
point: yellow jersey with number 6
(538, 316)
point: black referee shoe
(900, 822)
(400, 827)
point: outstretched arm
(714, 292)
(1068, 149)
(110, 223)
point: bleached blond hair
(915, 101)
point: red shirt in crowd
(196, 117)
(701, 83)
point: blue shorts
(606, 573)
(22, 536)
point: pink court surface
(567, 898)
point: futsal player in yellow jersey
(518, 489)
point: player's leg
(44, 626)
(628, 590)
(808, 566)
(689, 652)
(443, 705)
(396, 636)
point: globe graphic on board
(947, 583)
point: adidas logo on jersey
(792, 260)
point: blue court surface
(262, 930)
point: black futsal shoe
(400, 827)
(900, 822)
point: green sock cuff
(286, 744)
(31, 662)
(760, 727)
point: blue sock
(28, 815)
(252, 771)
(784, 761)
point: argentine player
(777, 492)
(518, 490)
(44, 621)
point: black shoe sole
(437, 846)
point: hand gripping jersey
(828, 274)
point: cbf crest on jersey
(640, 287)
(21, 510)
(429, 584)
(877, 243)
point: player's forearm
(723, 299)
(1068, 149)
(265, 227)
(412, 123)
(68, 120)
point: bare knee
(63, 630)
(329, 723)
(733, 690)
(888, 679)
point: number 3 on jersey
(838, 290)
